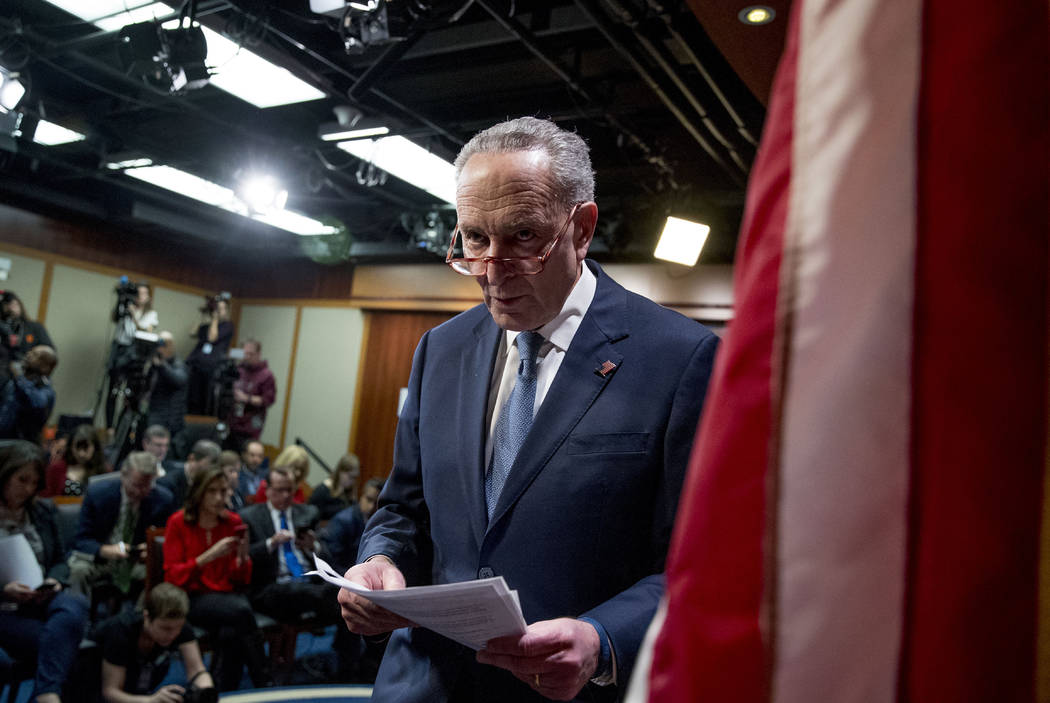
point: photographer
(253, 392)
(26, 400)
(24, 334)
(133, 313)
(213, 337)
(167, 403)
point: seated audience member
(206, 554)
(27, 399)
(342, 534)
(167, 400)
(83, 459)
(28, 333)
(203, 456)
(296, 459)
(43, 624)
(230, 463)
(282, 542)
(111, 538)
(137, 649)
(339, 490)
(254, 468)
(157, 441)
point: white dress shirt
(558, 334)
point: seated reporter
(338, 491)
(82, 459)
(137, 649)
(206, 554)
(44, 624)
(296, 459)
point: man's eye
(475, 240)
(524, 235)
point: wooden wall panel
(391, 339)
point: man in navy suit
(571, 496)
(111, 536)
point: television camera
(211, 302)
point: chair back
(154, 558)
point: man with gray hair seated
(110, 544)
(203, 456)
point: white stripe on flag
(848, 277)
(638, 690)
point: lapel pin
(605, 369)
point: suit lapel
(476, 374)
(575, 387)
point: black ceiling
(671, 126)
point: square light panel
(681, 241)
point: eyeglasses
(524, 265)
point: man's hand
(362, 615)
(555, 657)
(280, 537)
(113, 552)
(306, 541)
(171, 693)
(240, 396)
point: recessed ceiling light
(757, 14)
(409, 162)
(51, 134)
(681, 241)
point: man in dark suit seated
(203, 456)
(544, 438)
(282, 542)
(111, 537)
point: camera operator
(26, 333)
(253, 392)
(27, 399)
(133, 313)
(213, 341)
(167, 402)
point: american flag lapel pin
(605, 369)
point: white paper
(469, 612)
(18, 563)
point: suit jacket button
(485, 573)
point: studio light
(681, 241)
(260, 193)
(11, 90)
(409, 162)
(171, 59)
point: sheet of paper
(469, 612)
(18, 563)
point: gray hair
(142, 462)
(205, 449)
(570, 161)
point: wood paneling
(391, 339)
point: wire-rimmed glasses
(524, 265)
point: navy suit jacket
(583, 524)
(101, 508)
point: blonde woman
(339, 490)
(296, 459)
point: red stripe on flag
(980, 364)
(712, 644)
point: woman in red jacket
(206, 554)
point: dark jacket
(247, 420)
(265, 567)
(342, 535)
(167, 402)
(44, 517)
(101, 508)
(25, 406)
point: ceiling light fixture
(681, 241)
(408, 161)
(51, 134)
(757, 14)
(11, 90)
(222, 197)
(261, 193)
(234, 69)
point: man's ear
(583, 229)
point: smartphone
(45, 587)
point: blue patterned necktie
(295, 569)
(515, 420)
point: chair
(154, 558)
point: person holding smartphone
(206, 554)
(43, 624)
